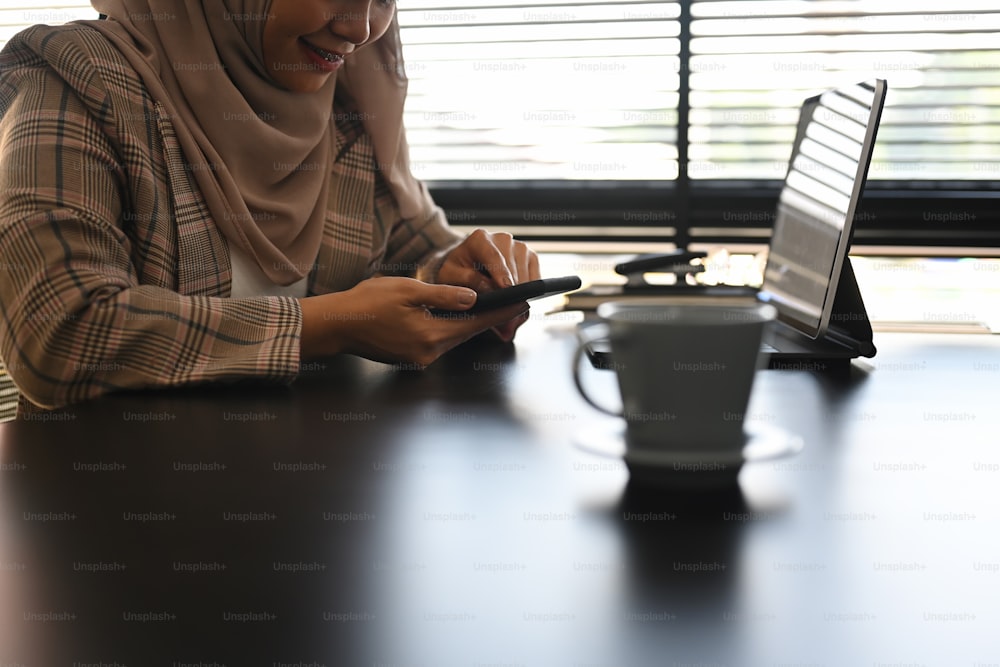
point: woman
(200, 191)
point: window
(16, 15)
(673, 119)
(694, 129)
(8, 395)
(542, 89)
(753, 62)
(591, 91)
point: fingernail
(466, 297)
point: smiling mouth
(328, 56)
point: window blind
(753, 62)
(681, 107)
(542, 89)
(8, 395)
(16, 15)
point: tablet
(534, 289)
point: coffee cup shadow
(681, 551)
(683, 566)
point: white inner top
(249, 280)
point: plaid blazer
(113, 274)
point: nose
(353, 25)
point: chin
(310, 84)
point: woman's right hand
(388, 319)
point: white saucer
(688, 469)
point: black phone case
(534, 289)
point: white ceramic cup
(685, 373)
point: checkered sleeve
(412, 242)
(74, 321)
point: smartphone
(534, 289)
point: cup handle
(597, 333)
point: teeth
(329, 57)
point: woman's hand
(485, 261)
(388, 319)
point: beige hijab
(260, 154)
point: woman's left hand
(486, 261)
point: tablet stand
(849, 324)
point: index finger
(488, 259)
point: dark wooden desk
(372, 516)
